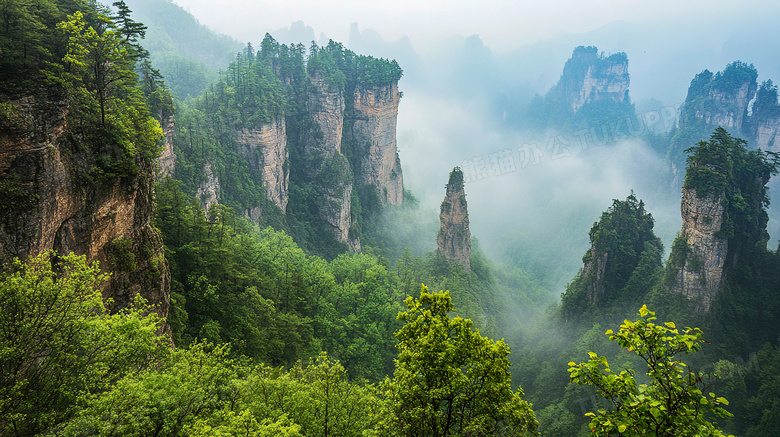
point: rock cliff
(764, 126)
(713, 100)
(721, 99)
(209, 189)
(325, 105)
(593, 269)
(589, 77)
(322, 157)
(624, 254)
(167, 159)
(724, 219)
(372, 132)
(266, 150)
(702, 249)
(454, 241)
(48, 204)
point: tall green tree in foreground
(449, 380)
(673, 404)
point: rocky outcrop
(593, 270)
(589, 77)
(700, 251)
(167, 159)
(325, 105)
(323, 161)
(373, 119)
(713, 100)
(47, 204)
(209, 189)
(454, 241)
(721, 99)
(767, 134)
(764, 126)
(265, 148)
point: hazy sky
(502, 24)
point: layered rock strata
(167, 159)
(589, 77)
(701, 276)
(323, 160)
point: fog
(469, 69)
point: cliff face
(208, 190)
(167, 159)
(323, 160)
(325, 105)
(594, 269)
(766, 134)
(721, 99)
(713, 100)
(454, 241)
(47, 205)
(764, 123)
(589, 77)
(373, 134)
(266, 150)
(701, 273)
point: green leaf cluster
(59, 344)
(675, 402)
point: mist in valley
(470, 72)
(533, 196)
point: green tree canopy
(449, 380)
(58, 342)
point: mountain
(303, 142)
(187, 53)
(592, 91)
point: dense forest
(275, 326)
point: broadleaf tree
(449, 380)
(676, 401)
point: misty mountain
(186, 52)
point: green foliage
(623, 262)
(12, 118)
(726, 170)
(318, 396)
(58, 343)
(121, 252)
(674, 402)
(193, 392)
(343, 67)
(108, 112)
(449, 380)
(702, 99)
(259, 291)
(201, 391)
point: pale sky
(502, 24)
